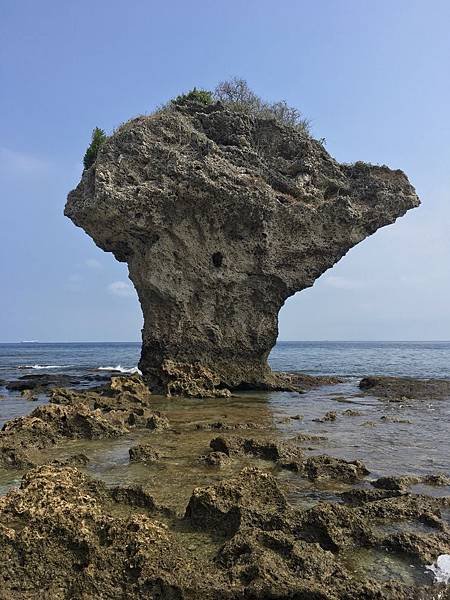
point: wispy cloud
(92, 263)
(21, 163)
(121, 288)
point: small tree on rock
(97, 140)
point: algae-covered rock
(143, 453)
(253, 498)
(221, 216)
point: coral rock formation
(221, 217)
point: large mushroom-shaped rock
(221, 217)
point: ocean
(410, 437)
(346, 359)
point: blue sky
(372, 77)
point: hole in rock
(217, 259)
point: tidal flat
(333, 492)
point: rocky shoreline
(234, 531)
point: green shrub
(200, 96)
(97, 140)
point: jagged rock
(57, 540)
(406, 388)
(359, 496)
(253, 498)
(400, 483)
(133, 386)
(329, 467)
(143, 453)
(222, 426)
(214, 459)
(262, 448)
(351, 413)
(76, 460)
(274, 564)
(48, 423)
(423, 547)
(221, 217)
(328, 417)
(403, 482)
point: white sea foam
(441, 569)
(120, 369)
(43, 366)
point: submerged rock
(143, 453)
(214, 459)
(406, 388)
(107, 412)
(221, 217)
(329, 467)
(267, 449)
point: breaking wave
(120, 369)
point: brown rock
(221, 217)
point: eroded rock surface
(106, 412)
(406, 388)
(221, 217)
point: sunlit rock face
(221, 217)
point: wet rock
(221, 217)
(329, 467)
(401, 388)
(328, 417)
(29, 395)
(49, 422)
(401, 483)
(423, 547)
(40, 382)
(335, 527)
(309, 437)
(76, 460)
(388, 419)
(436, 479)
(253, 498)
(273, 564)
(132, 387)
(13, 456)
(143, 453)
(351, 413)
(139, 496)
(262, 448)
(156, 421)
(214, 459)
(359, 496)
(75, 549)
(297, 417)
(223, 426)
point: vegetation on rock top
(97, 140)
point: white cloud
(92, 263)
(121, 288)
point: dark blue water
(354, 359)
